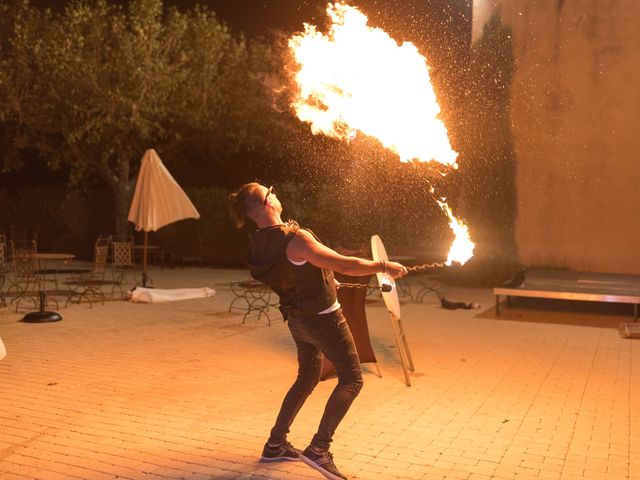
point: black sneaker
(322, 462)
(282, 453)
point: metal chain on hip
(363, 285)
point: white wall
(575, 113)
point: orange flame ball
(358, 79)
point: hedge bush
(70, 220)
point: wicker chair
(123, 263)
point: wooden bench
(568, 285)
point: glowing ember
(462, 247)
(358, 79)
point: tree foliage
(94, 86)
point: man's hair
(244, 200)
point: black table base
(42, 316)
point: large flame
(462, 247)
(357, 78)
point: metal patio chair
(88, 284)
(251, 296)
(26, 280)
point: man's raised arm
(304, 246)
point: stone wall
(575, 102)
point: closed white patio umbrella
(157, 201)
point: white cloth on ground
(156, 295)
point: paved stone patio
(183, 390)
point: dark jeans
(326, 334)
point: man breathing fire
(299, 268)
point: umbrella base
(41, 317)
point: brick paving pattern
(185, 391)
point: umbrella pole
(144, 261)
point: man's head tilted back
(257, 202)
(245, 201)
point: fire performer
(299, 268)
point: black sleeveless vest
(303, 290)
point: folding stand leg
(406, 346)
(403, 348)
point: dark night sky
(408, 16)
(428, 23)
(439, 26)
